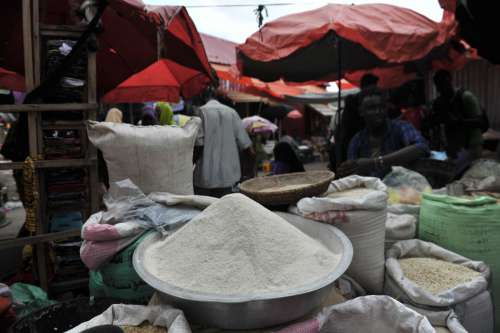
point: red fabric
(11, 80)
(127, 44)
(390, 77)
(394, 34)
(164, 80)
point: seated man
(383, 142)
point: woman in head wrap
(166, 114)
(285, 159)
(114, 116)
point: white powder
(284, 188)
(352, 193)
(236, 246)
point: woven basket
(314, 183)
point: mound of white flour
(236, 246)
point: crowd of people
(370, 137)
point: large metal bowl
(251, 311)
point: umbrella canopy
(307, 46)
(295, 114)
(256, 124)
(127, 43)
(164, 80)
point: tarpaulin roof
(302, 47)
(127, 43)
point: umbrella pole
(339, 129)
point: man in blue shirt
(383, 143)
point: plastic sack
(365, 314)
(469, 227)
(484, 175)
(362, 219)
(129, 213)
(134, 315)
(399, 227)
(162, 159)
(471, 300)
(442, 321)
(28, 298)
(375, 200)
(405, 186)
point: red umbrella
(127, 43)
(164, 80)
(325, 43)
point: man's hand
(360, 166)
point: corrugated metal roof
(483, 80)
(219, 51)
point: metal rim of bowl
(189, 295)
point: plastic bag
(406, 186)
(28, 298)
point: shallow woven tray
(316, 183)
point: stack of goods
(67, 252)
(433, 279)
(71, 87)
(357, 206)
(469, 227)
(66, 187)
(64, 144)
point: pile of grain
(237, 246)
(441, 329)
(144, 328)
(434, 275)
(352, 193)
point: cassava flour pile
(236, 246)
(436, 275)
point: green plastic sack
(31, 297)
(119, 278)
(96, 285)
(469, 227)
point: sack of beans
(357, 206)
(430, 277)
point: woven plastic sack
(471, 301)
(155, 158)
(483, 175)
(399, 227)
(442, 321)
(469, 227)
(120, 279)
(362, 219)
(365, 314)
(134, 315)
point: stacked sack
(467, 226)
(430, 277)
(357, 206)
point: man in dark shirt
(383, 142)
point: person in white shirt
(224, 136)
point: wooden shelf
(47, 164)
(49, 107)
(41, 238)
(62, 125)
